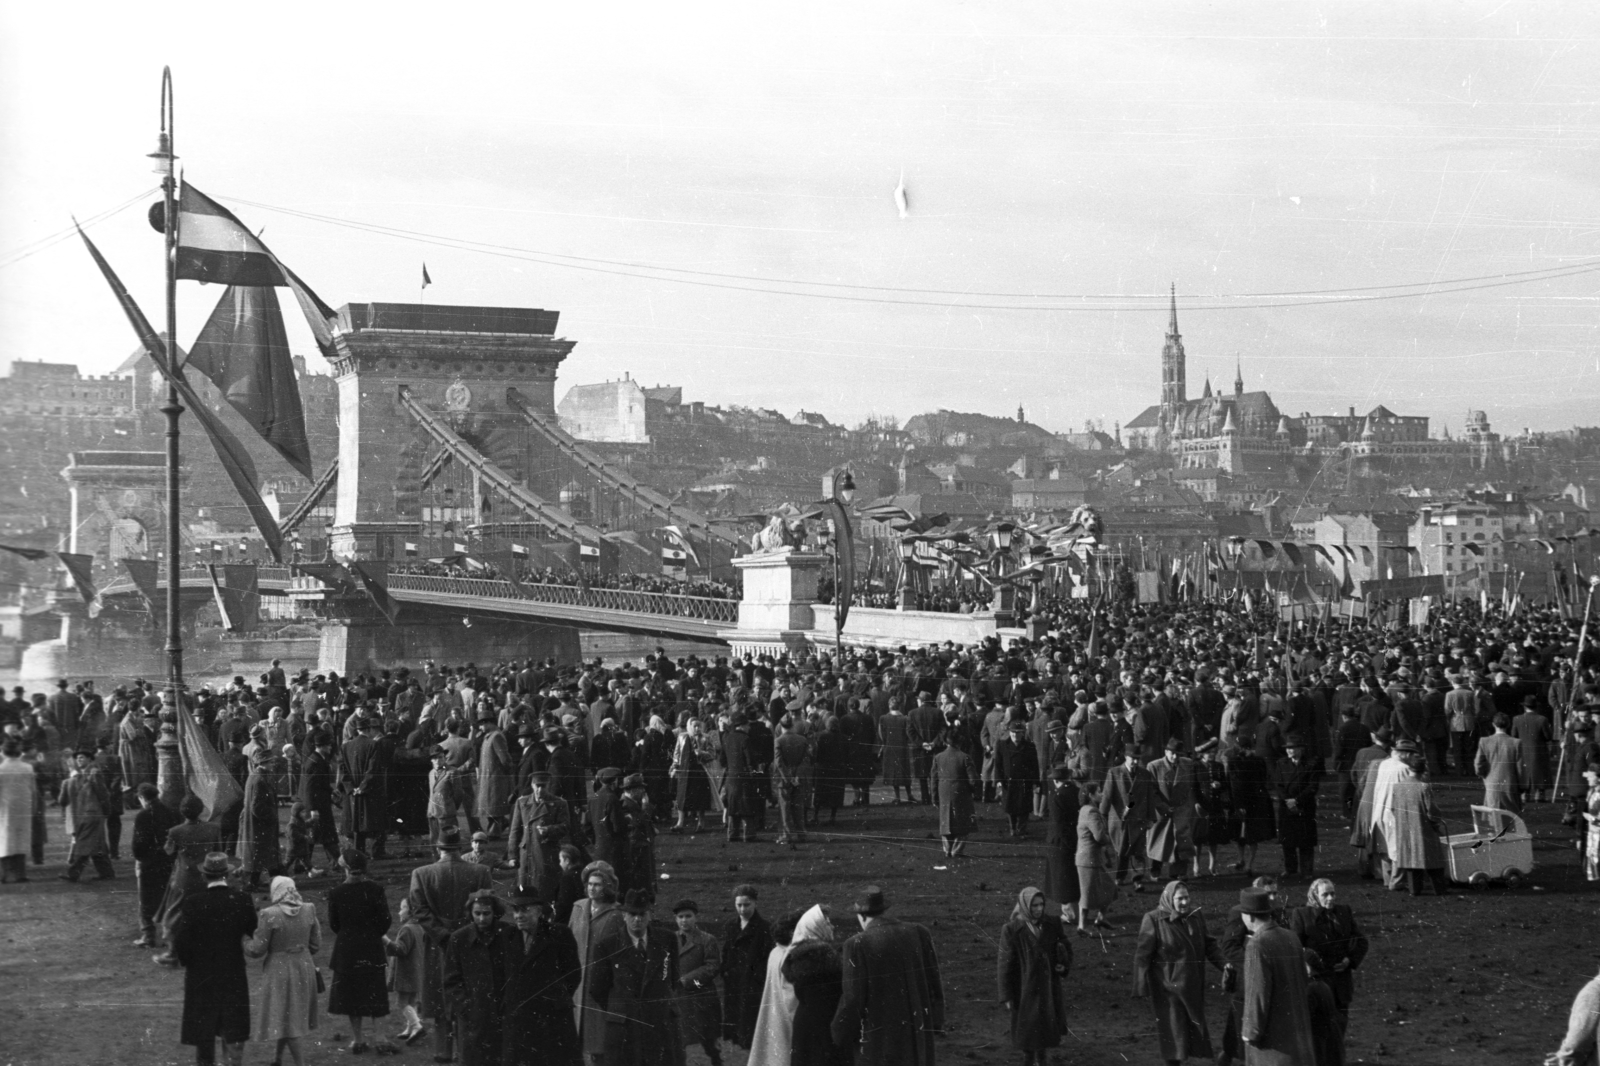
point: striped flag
(411, 549)
(589, 551)
(519, 550)
(459, 549)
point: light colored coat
(19, 791)
(497, 777)
(1499, 764)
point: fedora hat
(637, 901)
(1257, 901)
(449, 839)
(215, 864)
(871, 902)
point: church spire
(1173, 389)
(1207, 394)
(1238, 377)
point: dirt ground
(1482, 976)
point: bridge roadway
(628, 610)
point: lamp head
(845, 487)
(162, 158)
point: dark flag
(145, 575)
(235, 460)
(426, 281)
(81, 569)
(33, 555)
(844, 545)
(374, 577)
(214, 246)
(204, 771)
(225, 607)
(244, 350)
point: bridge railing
(198, 575)
(703, 608)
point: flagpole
(172, 409)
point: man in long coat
(740, 797)
(1364, 776)
(1276, 1022)
(497, 775)
(1413, 830)
(473, 980)
(1171, 835)
(699, 962)
(745, 948)
(540, 824)
(1017, 773)
(1532, 730)
(541, 972)
(956, 781)
(86, 801)
(637, 847)
(926, 735)
(894, 734)
(863, 734)
(317, 780)
(365, 773)
(607, 828)
(136, 747)
(1499, 763)
(1299, 776)
(1128, 804)
(19, 792)
(592, 922)
(633, 977)
(438, 900)
(209, 944)
(893, 999)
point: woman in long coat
(1169, 966)
(260, 851)
(955, 782)
(1035, 958)
(287, 935)
(894, 734)
(1061, 843)
(688, 769)
(359, 915)
(1097, 889)
(699, 962)
(1214, 826)
(815, 970)
(1254, 819)
(832, 764)
(744, 966)
(497, 776)
(592, 923)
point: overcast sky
(1056, 149)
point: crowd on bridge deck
(586, 577)
(1147, 740)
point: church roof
(1149, 418)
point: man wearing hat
(542, 972)
(209, 945)
(893, 1000)
(438, 901)
(637, 844)
(540, 824)
(699, 962)
(926, 728)
(365, 773)
(633, 977)
(791, 781)
(1170, 839)
(1299, 776)
(1275, 1022)
(1017, 774)
(86, 802)
(473, 980)
(496, 775)
(1413, 829)
(739, 799)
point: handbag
(322, 986)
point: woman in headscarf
(259, 850)
(1169, 967)
(1329, 928)
(286, 937)
(1097, 889)
(688, 768)
(655, 762)
(1035, 958)
(775, 1019)
(358, 914)
(815, 971)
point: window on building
(1449, 568)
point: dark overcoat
(209, 943)
(637, 988)
(364, 766)
(1297, 828)
(438, 901)
(893, 1000)
(1061, 844)
(955, 779)
(699, 1009)
(538, 1026)
(607, 828)
(1275, 1023)
(538, 829)
(474, 983)
(1030, 972)
(814, 969)
(1333, 934)
(744, 975)
(1016, 767)
(1169, 966)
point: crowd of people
(1150, 741)
(585, 577)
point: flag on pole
(204, 771)
(144, 574)
(411, 549)
(458, 548)
(33, 555)
(244, 350)
(236, 462)
(426, 281)
(221, 601)
(589, 551)
(80, 568)
(676, 535)
(374, 578)
(519, 550)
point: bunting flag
(1322, 551)
(1267, 549)
(1475, 549)
(678, 538)
(1094, 637)
(204, 772)
(1366, 555)
(231, 453)
(1549, 549)
(220, 600)
(426, 281)
(1293, 553)
(519, 551)
(331, 574)
(80, 568)
(845, 547)
(244, 350)
(374, 578)
(33, 555)
(214, 246)
(145, 576)
(242, 583)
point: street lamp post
(908, 550)
(844, 490)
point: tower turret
(1174, 390)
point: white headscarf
(813, 925)
(775, 1019)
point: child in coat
(406, 955)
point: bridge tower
(457, 362)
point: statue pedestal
(775, 615)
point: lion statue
(779, 534)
